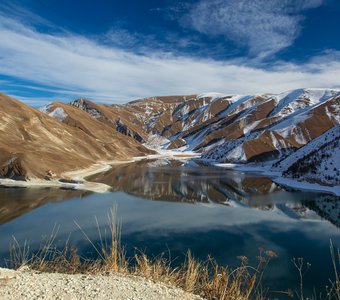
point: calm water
(175, 206)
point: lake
(173, 206)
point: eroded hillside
(34, 144)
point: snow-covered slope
(223, 128)
(277, 126)
(54, 112)
(239, 128)
(317, 161)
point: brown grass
(206, 278)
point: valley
(283, 133)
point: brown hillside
(33, 144)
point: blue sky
(115, 51)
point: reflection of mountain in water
(327, 206)
(183, 182)
(178, 181)
(15, 202)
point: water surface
(173, 206)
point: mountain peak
(81, 103)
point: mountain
(255, 128)
(317, 161)
(114, 117)
(244, 129)
(226, 128)
(34, 144)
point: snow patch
(59, 114)
(46, 108)
(211, 95)
(301, 185)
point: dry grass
(333, 290)
(206, 279)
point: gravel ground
(25, 284)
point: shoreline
(307, 186)
(80, 175)
(276, 177)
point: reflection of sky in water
(225, 232)
(256, 213)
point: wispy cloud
(69, 62)
(264, 27)
(163, 41)
(18, 12)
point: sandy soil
(25, 284)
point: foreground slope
(33, 144)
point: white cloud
(73, 63)
(263, 26)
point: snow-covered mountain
(318, 161)
(228, 128)
(240, 128)
(290, 130)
